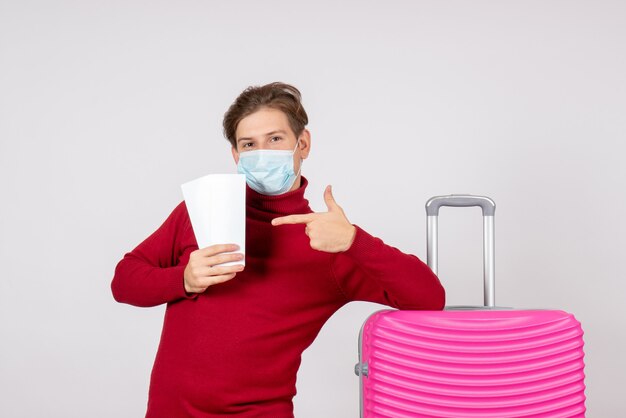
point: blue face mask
(269, 172)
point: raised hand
(330, 231)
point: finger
(294, 219)
(223, 278)
(222, 258)
(213, 280)
(331, 204)
(218, 249)
(222, 270)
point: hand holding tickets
(330, 231)
(206, 267)
(217, 209)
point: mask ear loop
(296, 147)
(301, 160)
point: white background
(107, 107)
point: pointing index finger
(293, 219)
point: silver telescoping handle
(489, 208)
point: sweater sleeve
(373, 271)
(150, 274)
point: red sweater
(235, 349)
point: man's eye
(247, 144)
(276, 138)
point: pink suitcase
(466, 362)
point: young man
(233, 336)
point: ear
(235, 153)
(305, 144)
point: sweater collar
(285, 204)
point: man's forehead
(263, 122)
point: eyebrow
(280, 131)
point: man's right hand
(203, 270)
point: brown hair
(275, 95)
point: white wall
(106, 107)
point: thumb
(331, 204)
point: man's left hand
(327, 231)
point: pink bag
(466, 362)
